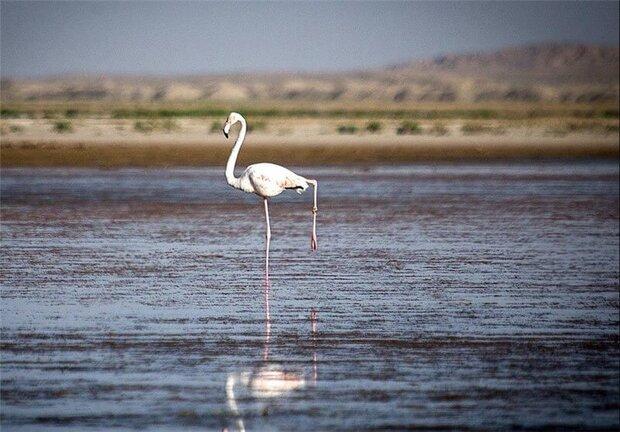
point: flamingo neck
(232, 159)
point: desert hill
(549, 72)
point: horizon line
(233, 73)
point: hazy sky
(51, 37)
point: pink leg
(313, 242)
(267, 324)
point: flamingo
(266, 180)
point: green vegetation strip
(472, 114)
(411, 114)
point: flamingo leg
(267, 326)
(266, 287)
(313, 242)
(268, 239)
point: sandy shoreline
(192, 142)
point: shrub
(477, 128)
(439, 129)
(8, 112)
(147, 126)
(71, 113)
(168, 125)
(144, 126)
(610, 113)
(409, 128)
(347, 129)
(216, 127)
(472, 128)
(63, 126)
(585, 127)
(374, 126)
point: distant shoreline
(90, 136)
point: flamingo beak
(226, 129)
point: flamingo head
(233, 118)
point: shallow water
(447, 297)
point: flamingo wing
(270, 179)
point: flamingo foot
(313, 244)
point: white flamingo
(266, 180)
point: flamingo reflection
(269, 380)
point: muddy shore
(158, 151)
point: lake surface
(480, 297)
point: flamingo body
(267, 180)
